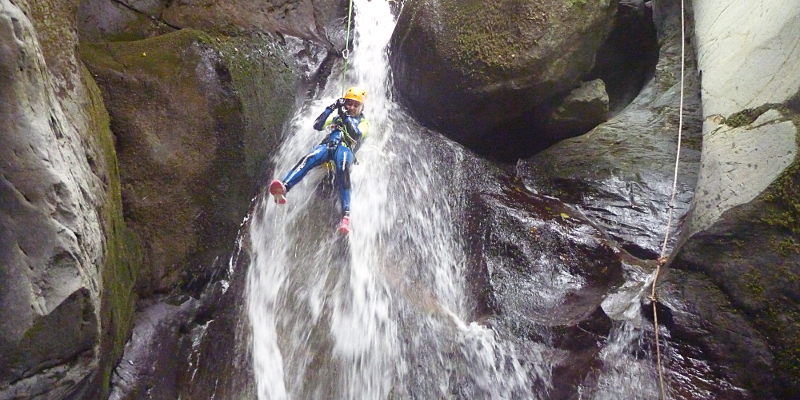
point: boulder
(195, 118)
(582, 109)
(620, 174)
(110, 20)
(467, 67)
(69, 262)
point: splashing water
(378, 314)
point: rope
(661, 258)
(346, 52)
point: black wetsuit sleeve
(352, 127)
(319, 123)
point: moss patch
(196, 117)
(746, 117)
(265, 84)
(122, 252)
(159, 56)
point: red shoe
(344, 226)
(278, 190)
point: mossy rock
(123, 248)
(195, 117)
(466, 66)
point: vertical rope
(661, 259)
(346, 52)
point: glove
(339, 103)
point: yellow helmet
(356, 93)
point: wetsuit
(340, 146)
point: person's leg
(344, 161)
(311, 160)
(316, 157)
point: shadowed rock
(467, 67)
(583, 109)
(620, 174)
(190, 148)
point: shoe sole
(278, 191)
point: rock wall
(110, 20)
(69, 262)
(193, 119)
(190, 157)
(742, 241)
(620, 173)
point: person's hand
(339, 103)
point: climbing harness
(661, 258)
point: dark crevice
(152, 17)
(625, 62)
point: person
(347, 130)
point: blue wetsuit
(340, 145)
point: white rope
(346, 51)
(661, 259)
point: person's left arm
(322, 119)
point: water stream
(381, 313)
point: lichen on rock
(465, 67)
(195, 117)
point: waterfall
(378, 314)
(382, 313)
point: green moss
(265, 85)
(783, 196)
(746, 117)
(787, 247)
(753, 283)
(122, 251)
(158, 56)
(782, 326)
(486, 35)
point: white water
(380, 314)
(383, 313)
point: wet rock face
(66, 275)
(467, 67)
(742, 231)
(620, 173)
(190, 148)
(540, 272)
(319, 21)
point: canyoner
(346, 129)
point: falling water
(378, 314)
(381, 313)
